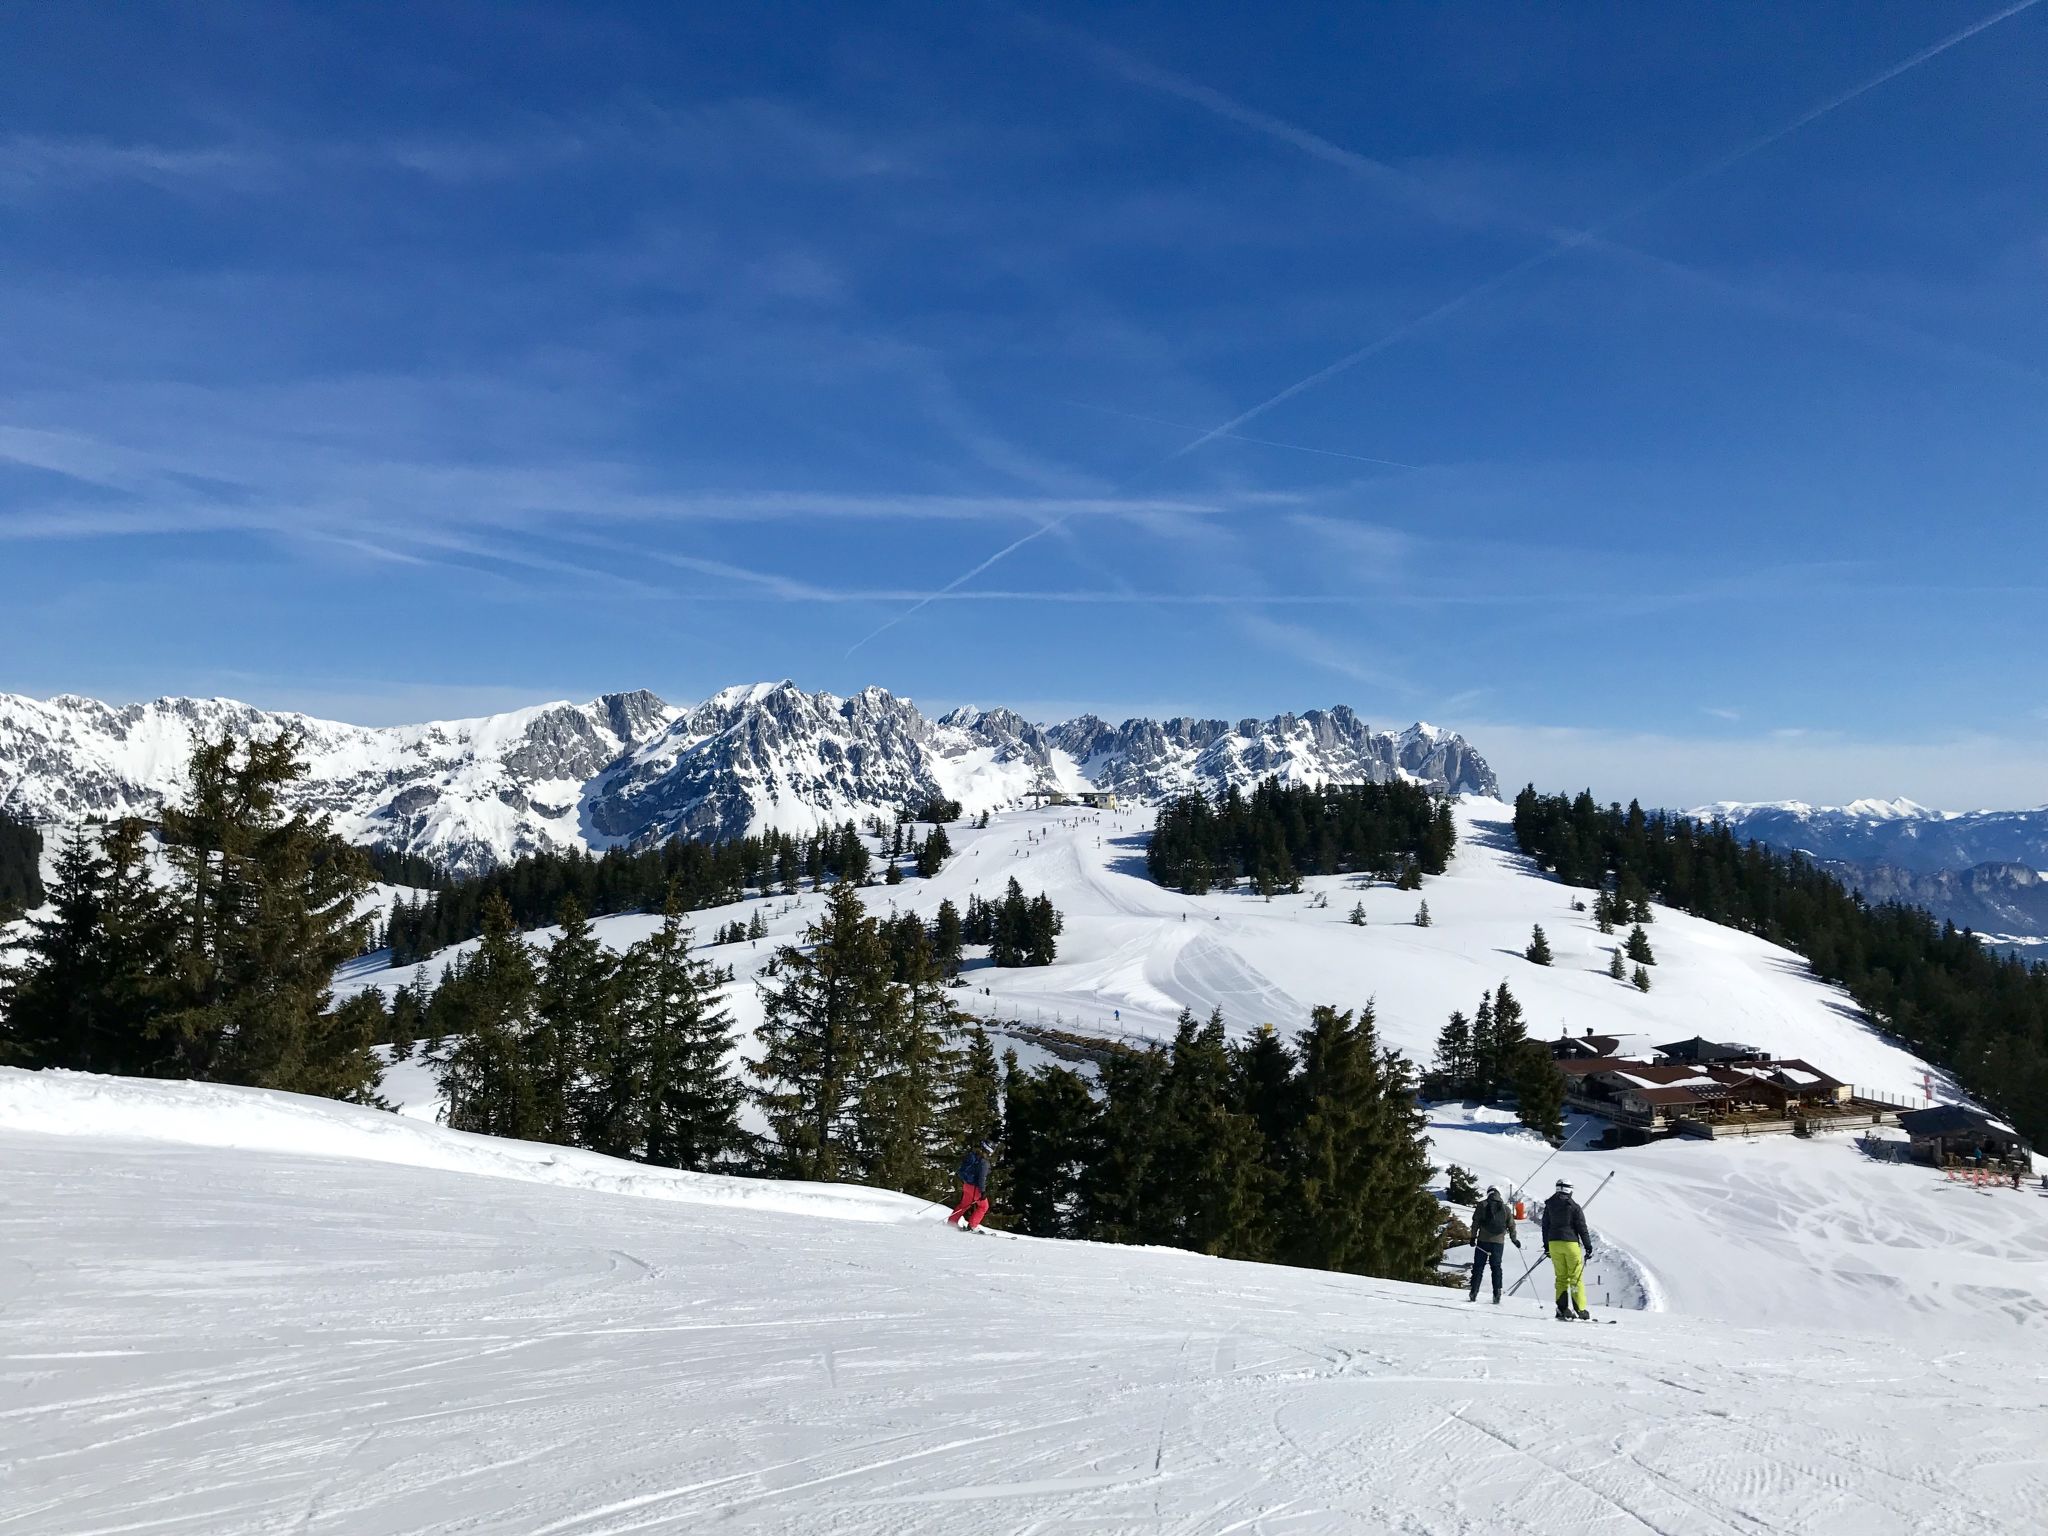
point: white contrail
(1570, 241)
(1562, 245)
(1263, 442)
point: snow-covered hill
(1133, 955)
(238, 1313)
(628, 767)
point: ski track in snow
(214, 1340)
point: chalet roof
(1951, 1120)
(1682, 1093)
(1654, 1074)
(1702, 1048)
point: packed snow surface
(231, 1312)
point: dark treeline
(21, 852)
(1311, 1154)
(694, 875)
(1938, 990)
(1283, 832)
(222, 971)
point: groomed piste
(230, 1312)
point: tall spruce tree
(1359, 1201)
(819, 1014)
(1452, 1072)
(1050, 1126)
(1538, 952)
(1209, 1204)
(266, 901)
(577, 1015)
(1122, 1183)
(1264, 1088)
(679, 1035)
(947, 939)
(486, 1012)
(974, 1096)
(1539, 1091)
(1639, 946)
(87, 993)
(897, 1116)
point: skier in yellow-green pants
(1568, 1242)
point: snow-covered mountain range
(1978, 869)
(629, 767)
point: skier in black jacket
(1492, 1225)
(1568, 1242)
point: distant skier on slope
(973, 1181)
(1568, 1242)
(1492, 1225)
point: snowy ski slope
(233, 1313)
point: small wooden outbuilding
(1956, 1132)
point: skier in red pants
(973, 1181)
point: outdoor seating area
(1966, 1141)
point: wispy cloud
(1560, 241)
(1321, 650)
(32, 164)
(1719, 713)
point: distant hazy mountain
(1978, 869)
(628, 767)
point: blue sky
(1655, 393)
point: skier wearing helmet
(973, 1181)
(1568, 1242)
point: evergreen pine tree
(933, 853)
(1452, 1072)
(819, 1013)
(1539, 1091)
(486, 1011)
(896, 1119)
(1358, 915)
(1049, 1140)
(947, 940)
(1422, 915)
(1360, 1202)
(86, 994)
(577, 1016)
(1122, 1182)
(974, 1103)
(1263, 1087)
(1211, 1204)
(1485, 1052)
(266, 903)
(1642, 979)
(1538, 952)
(1614, 965)
(1639, 947)
(684, 1102)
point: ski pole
(1588, 1120)
(1546, 1251)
